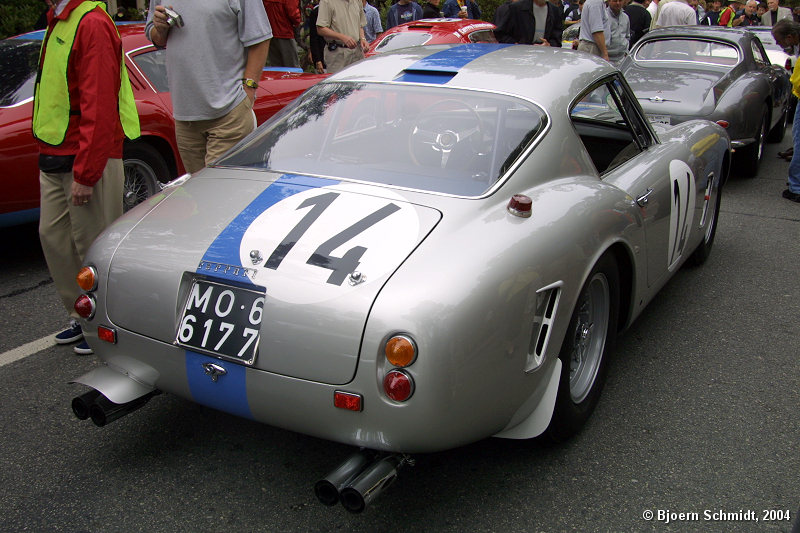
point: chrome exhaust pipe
(82, 403)
(371, 483)
(103, 411)
(327, 489)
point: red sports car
(433, 31)
(151, 159)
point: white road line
(27, 349)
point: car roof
(733, 36)
(548, 76)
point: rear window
(18, 63)
(429, 138)
(689, 50)
(404, 39)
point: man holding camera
(216, 50)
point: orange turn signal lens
(401, 350)
(87, 278)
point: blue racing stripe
(442, 66)
(225, 248)
(229, 392)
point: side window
(601, 120)
(758, 53)
(154, 66)
(482, 36)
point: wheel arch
(164, 149)
(624, 260)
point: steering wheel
(442, 127)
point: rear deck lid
(317, 250)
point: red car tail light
(85, 306)
(723, 123)
(87, 278)
(398, 385)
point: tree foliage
(19, 16)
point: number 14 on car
(222, 320)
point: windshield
(429, 138)
(402, 39)
(688, 50)
(18, 62)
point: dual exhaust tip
(359, 480)
(103, 411)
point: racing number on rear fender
(682, 202)
(341, 266)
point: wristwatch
(250, 83)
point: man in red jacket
(284, 16)
(83, 108)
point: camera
(173, 18)
(333, 46)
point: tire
(777, 132)
(584, 353)
(143, 168)
(750, 156)
(703, 249)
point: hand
(462, 14)
(319, 67)
(160, 19)
(251, 93)
(81, 194)
(348, 42)
(544, 42)
(364, 45)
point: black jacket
(519, 25)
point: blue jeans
(794, 166)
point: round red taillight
(398, 385)
(85, 306)
(87, 278)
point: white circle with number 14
(311, 241)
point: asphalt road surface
(698, 428)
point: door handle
(642, 200)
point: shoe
(789, 195)
(83, 349)
(71, 334)
(787, 154)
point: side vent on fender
(547, 299)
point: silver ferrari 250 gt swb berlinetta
(434, 246)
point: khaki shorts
(201, 142)
(336, 60)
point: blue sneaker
(70, 335)
(83, 349)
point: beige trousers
(201, 142)
(66, 231)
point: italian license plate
(221, 320)
(659, 119)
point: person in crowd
(762, 8)
(711, 17)
(341, 23)
(594, 29)
(373, 28)
(676, 13)
(749, 14)
(120, 15)
(639, 18)
(284, 17)
(431, 10)
(83, 108)
(316, 43)
(775, 13)
(403, 11)
(728, 16)
(531, 22)
(573, 14)
(787, 35)
(465, 9)
(619, 31)
(215, 56)
(796, 14)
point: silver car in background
(431, 247)
(720, 74)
